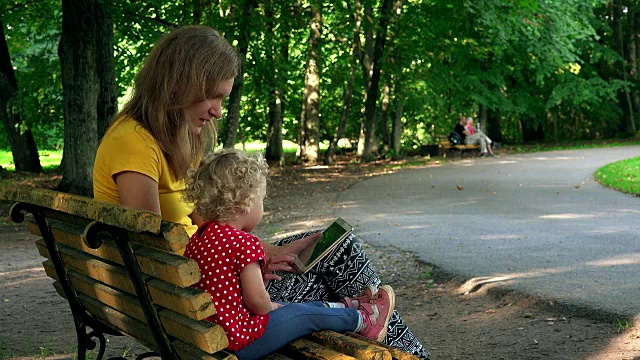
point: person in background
(228, 190)
(472, 130)
(470, 138)
(164, 129)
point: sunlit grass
(568, 145)
(288, 146)
(49, 159)
(623, 175)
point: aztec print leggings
(346, 271)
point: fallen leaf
(460, 187)
(577, 186)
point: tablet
(330, 238)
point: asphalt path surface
(536, 223)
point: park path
(537, 223)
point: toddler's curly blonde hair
(226, 184)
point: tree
(274, 152)
(356, 18)
(23, 146)
(372, 93)
(79, 48)
(310, 117)
(107, 105)
(233, 114)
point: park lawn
(49, 159)
(623, 175)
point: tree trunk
(23, 146)
(553, 119)
(634, 26)
(532, 131)
(384, 116)
(233, 114)
(198, 8)
(106, 67)
(396, 130)
(366, 63)
(619, 41)
(493, 125)
(482, 118)
(348, 92)
(372, 94)
(80, 85)
(310, 138)
(274, 152)
(389, 86)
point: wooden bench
(445, 145)
(119, 271)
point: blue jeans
(296, 320)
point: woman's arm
(280, 258)
(138, 191)
(254, 293)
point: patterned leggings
(346, 271)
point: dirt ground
(487, 324)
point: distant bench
(445, 145)
(119, 271)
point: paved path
(537, 222)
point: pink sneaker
(376, 314)
(369, 293)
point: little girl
(228, 190)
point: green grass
(621, 325)
(49, 159)
(288, 146)
(567, 145)
(622, 176)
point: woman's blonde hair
(185, 66)
(226, 183)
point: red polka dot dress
(222, 252)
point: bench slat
(111, 214)
(137, 329)
(305, 349)
(187, 351)
(351, 346)
(170, 267)
(190, 302)
(204, 335)
(276, 356)
(396, 353)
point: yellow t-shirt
(127, 146)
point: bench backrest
(118, 265)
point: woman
(163, 131)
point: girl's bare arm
(256, 297)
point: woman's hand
(280, 258)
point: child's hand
(275, 306)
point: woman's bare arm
(138, 191)
(280, 258)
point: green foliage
(549, 65)
(622, 176)
(32, 31)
